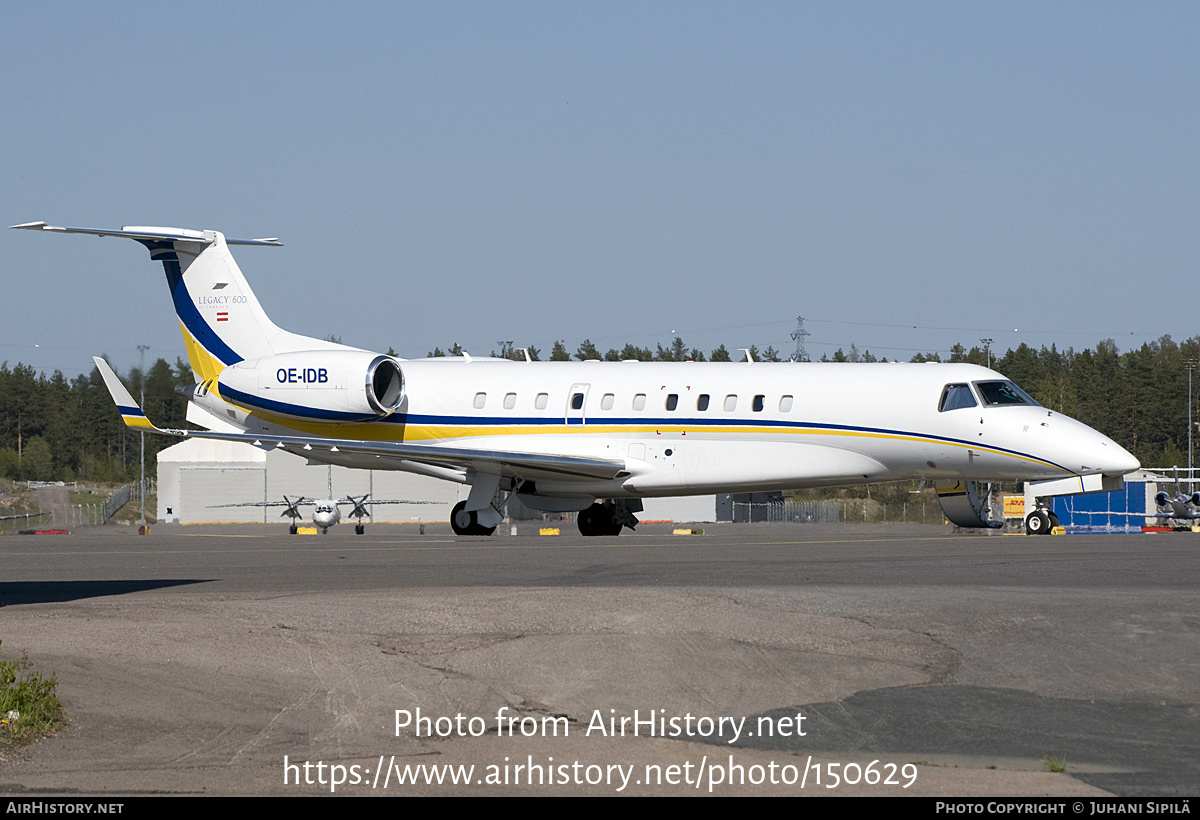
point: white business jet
(598, 437)
(1180, 507)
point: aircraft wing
(384, 501)
(508, 462)
(304, 502)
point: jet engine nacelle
(326, 385)
(1162, 499)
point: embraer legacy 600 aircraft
(598, 437)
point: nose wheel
(1040, 522)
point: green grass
(29, 705)
(1054, 764)
(85, 498)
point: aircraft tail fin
(220, 317)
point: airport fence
(78, 515)
(848, 510)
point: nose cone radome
(1119, 461)
(1092, 452)
(1104, 455)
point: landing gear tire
(465, 522)
(1054, 522)
(292, 529)
(596, 520)
(359, 529)
(1037, 523)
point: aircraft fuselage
(686, 428)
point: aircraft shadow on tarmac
(14, 593)
(1130, 748)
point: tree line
(52, 428)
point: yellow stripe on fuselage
(384, 432)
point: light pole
(1190, 364)
(142, 487)
(987, 350)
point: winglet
(130, 412)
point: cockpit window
(996, 394)
(956, 397)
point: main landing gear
(609, 517)
(596, 520)
(465, 522)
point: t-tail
(220, 317)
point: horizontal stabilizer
(150, 233)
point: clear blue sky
(445, 172)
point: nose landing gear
(1040, 522)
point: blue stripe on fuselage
(296, 410)
(694, 424)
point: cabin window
(541, 401)
(639, 401)
(996, 394)
(702, 402)
(956, 397)
(480, 400)
(510, 401)
(672, 401)
(730, 403)
(759, 403)
(577, 401)
(606, 402)
(785, 404)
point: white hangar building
(197, 474)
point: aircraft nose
(1092, 452)
(1115, 459)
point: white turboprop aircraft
(326, 513)
(562, 435)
